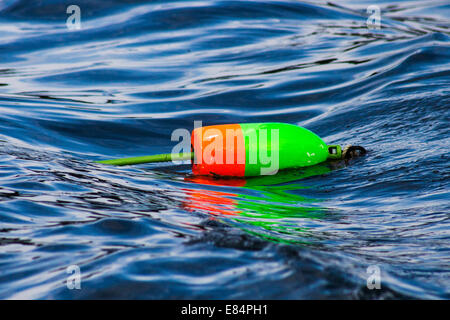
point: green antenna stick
(148, 159)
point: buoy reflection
(271, 207)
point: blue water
(137, 70)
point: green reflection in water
(267, 207)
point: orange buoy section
(218, 150)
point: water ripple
(138, 70)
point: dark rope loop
(350, 152)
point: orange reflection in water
(214, 202)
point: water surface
(138, 70)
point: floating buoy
(250, 149)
